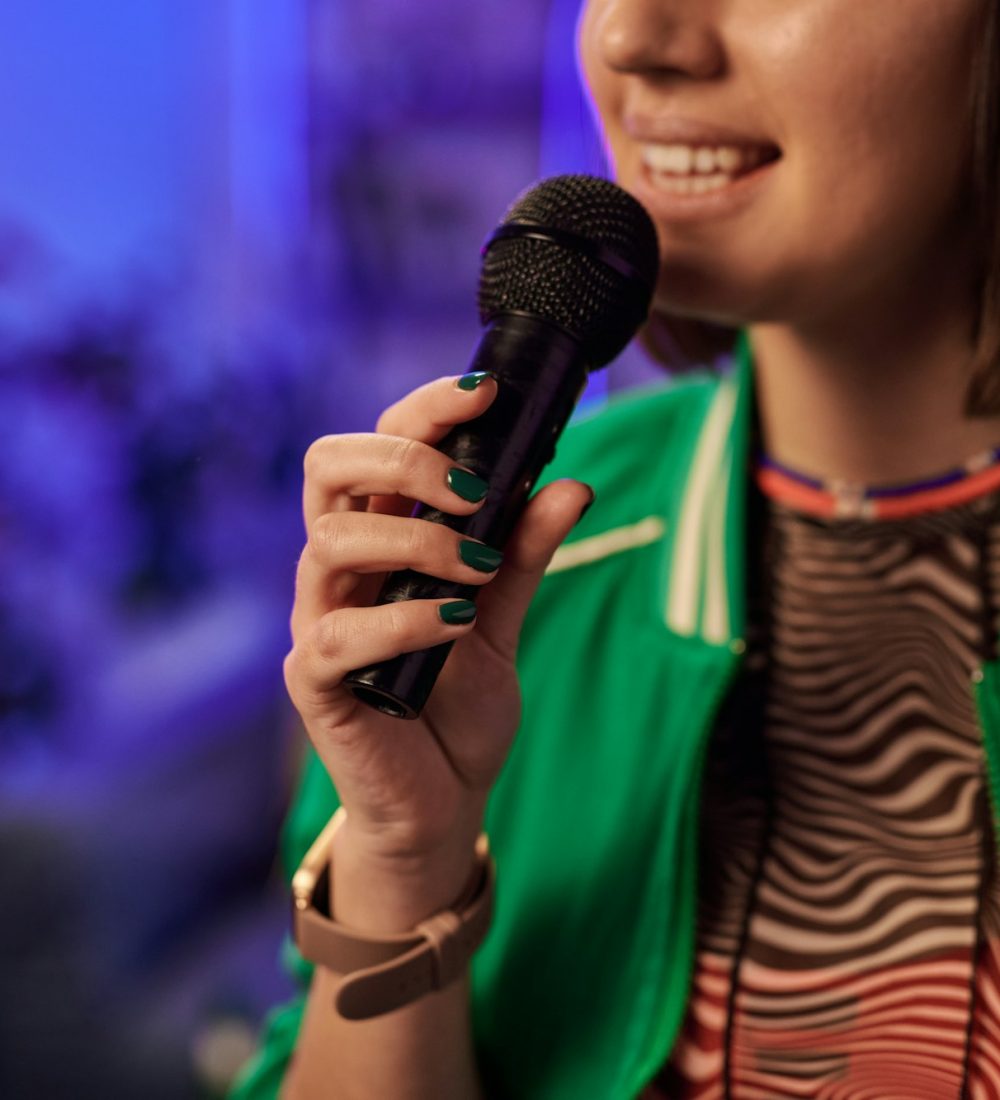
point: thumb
(547, 520)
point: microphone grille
(579, 252)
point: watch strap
(382, 973)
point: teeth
(702, 160)
(691, 185)
(728, 159)
(669, 158)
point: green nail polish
(586, 508)
(473, 380)
(483, 558)
(458, 612)
(467, 485)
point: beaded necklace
(836, 498)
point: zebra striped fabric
(849, 926)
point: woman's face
(796, 155)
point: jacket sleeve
(262, 1076)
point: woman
(815, 911)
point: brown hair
(681, 343)
(983, 394)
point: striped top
(849, 911)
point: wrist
(380, 967)
(378, 893)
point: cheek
(873, 121)
(877, 123)
(870, 104)
(604, 86)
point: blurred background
(226, 227)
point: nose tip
(656, 36)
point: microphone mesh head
(565, 280)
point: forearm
(423, 1050)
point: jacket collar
(706, 596)
(706, 586)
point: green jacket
(629, 648)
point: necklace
(842, 499)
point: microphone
(566, 281)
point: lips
(675, 129)
(684, 160)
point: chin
(712, 295)
(692, 295)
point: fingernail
(479, 556)
(467, 485)
(473, 380)
(586, 508)
(458, 612)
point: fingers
(351, 638)
(329, 644)
(361, 542)
(342, 468)
(423, 417)
(428, 413)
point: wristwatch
(380, 974)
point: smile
(681, 169)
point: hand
(414, 790)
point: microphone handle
(541, 372)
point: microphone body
(566, 281)
(541, 372)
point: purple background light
(226, 228)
